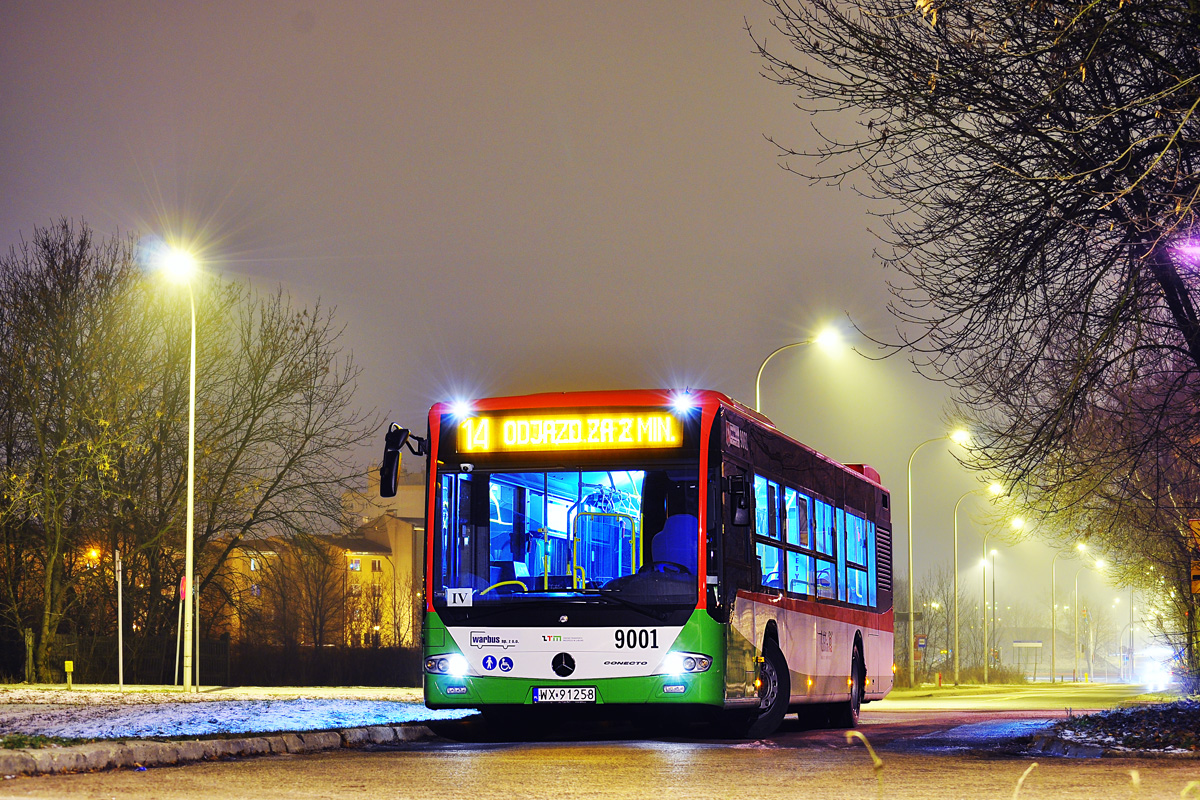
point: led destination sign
(567, 431)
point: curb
(1055, 746)
(141, 753)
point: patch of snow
(115, 715)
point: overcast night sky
(500, 198)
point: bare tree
(1038, 169)
(63, 296)
(93, 363)
(319, 573)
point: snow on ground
(91, 713)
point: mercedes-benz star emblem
(563, 618)
(563, 664)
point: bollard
(69, 666)
(939, 680)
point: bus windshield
(520, 536)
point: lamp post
(958, 437)
(1098, 565)
(1018, 523)
(180, 265)
(1054, 612)
(996, 490)
(828, 338)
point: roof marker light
(461, 408)
(683, 402)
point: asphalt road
(928, 753)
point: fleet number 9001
(643, 638)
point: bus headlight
(454, 665)
(685, 663)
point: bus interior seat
(678, 541)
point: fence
(154, 660)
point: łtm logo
(555, 637)
(484, 639)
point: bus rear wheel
(845, 715)
(774, 692)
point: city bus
(647, 550)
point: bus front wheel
(774, 692)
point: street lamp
(829, 339)
(1017, 523)
(1098, 565)
(1054, 611)
(995, 490)
(959, 437)
(180, 266)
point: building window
(254, 565)
(356, 565)
(255, 590)
(376, 565)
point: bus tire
(845, 715)
(774, 692)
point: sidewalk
(145, 726)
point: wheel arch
(771, 631)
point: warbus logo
(483, 639)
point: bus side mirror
(389, 471)
(393, 440)
(739, 500)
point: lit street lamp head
(830, 340)
(178, 264)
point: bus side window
(840, 538)
(762, 508)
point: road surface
(926, 752)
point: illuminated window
(856, 586)
(771, 559)
(856, 539)
(766, 508)
(823, 522)
(826, 585)
(355, 565)
(254, 565)
(795, 506)
(800, 573)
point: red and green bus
(647, 549)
